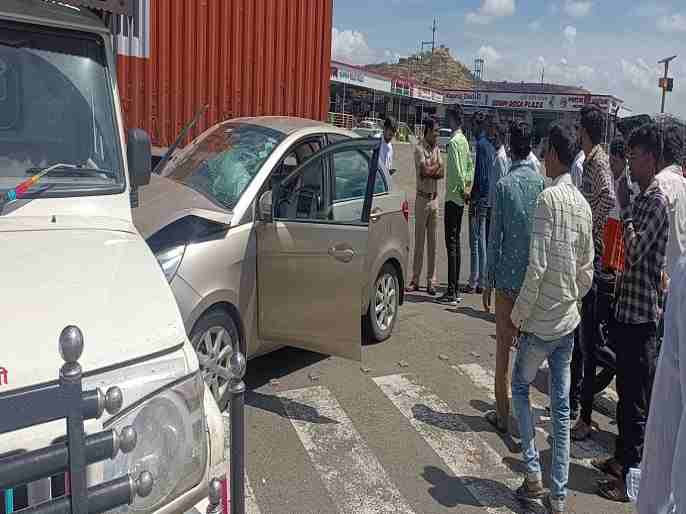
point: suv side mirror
(139, 158)
(264, 207)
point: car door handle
(376, 212)
(342, 254)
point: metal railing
(66, 399)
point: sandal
(613, 491)
(413, 287)
(609, 466)
(492, 418)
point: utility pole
(666, 83)
(433, 46)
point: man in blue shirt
(508, 257)
(479, 205)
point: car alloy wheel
(214, 341)
(383, 308)
(385, 301)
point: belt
(428, 196)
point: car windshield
(223, 161)
(56, 107)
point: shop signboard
(401, 87)
(355, 77)
(421, 93)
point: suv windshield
(56, 106)
(223, 161)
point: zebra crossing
(353, 474)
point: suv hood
(59, 272)
(164, 201)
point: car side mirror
(264, 207)
(392, 171)
(139, 158)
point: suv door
(312, 259)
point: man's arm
(541, 235)
(601, 198)
(584, 263)
(440, 172)
(454, 166)
(468, 171)
(637, 243)
(495, 238)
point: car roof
(289, 125)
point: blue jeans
(531, 353)
(478, 221)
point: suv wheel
(214, 338)
(383, 306)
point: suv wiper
(70, 170)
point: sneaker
(530, 490)
(479, 290)
(554, 505)
(449, 299)
(468, 289)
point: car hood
(164, 201)
(75, 271)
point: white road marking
(352, 475)
(250, 499)
(470, 458)
(581, 451)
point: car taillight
(406, 210)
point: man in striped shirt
(559, 274)
(638, 306)
(597, 187)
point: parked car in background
(444, 137)
(368, 128)
(278, 232)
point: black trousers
(595, 310)
(636, 362)
(453, 230)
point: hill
(439, 70)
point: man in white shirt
(559, 275)
(390, 127)
(673, 184)
(578, 168)
(533, 159)
(663, 469)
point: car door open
(312, 259)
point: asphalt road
(403, 431)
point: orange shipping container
(239, 57)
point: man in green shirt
(459, 178)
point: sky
(607, 46)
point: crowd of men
(581, 271)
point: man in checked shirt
(638, 306)
(598, 189)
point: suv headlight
(170, 259)
(171, 444)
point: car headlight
(171, 443)
(170, 260)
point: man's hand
(665, 282)
(487, 299)
(513, 333)
(623, 194)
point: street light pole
(666, 77)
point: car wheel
(383, 306)
(214, 338)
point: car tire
(215, 323)
(383, 304)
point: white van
(70, 255)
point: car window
(351, 169)
(302, 196)
(225, 161)
(335, 138)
